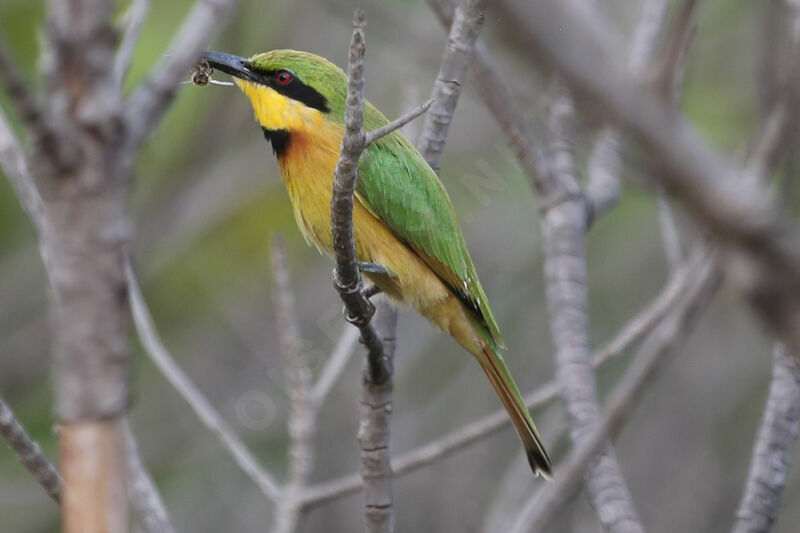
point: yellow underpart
(307, 169)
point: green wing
(399, 187)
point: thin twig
(670, 237)
(15, 167)
(638, 326)
(372, 136)
(775, 441)
(336, 362)
(680, 41)
(29, 453)
(133, 21)
(149, 101)
(662, 341)
(776, 131)
(605, 162)
(467, 23)
(142, 491)
(18, 91)
(303, 410)
(155, 349)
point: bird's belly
(411, 281)
(308, 175)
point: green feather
(398, 186)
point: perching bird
(403, 219)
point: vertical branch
(563, 225)
(347, 279)
(303, 408)
(373, 432)
(773, 449)
(376, 399)
(376, 403)
(467, 23)
(83, 241)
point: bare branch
(336, 363)
(347, 278)
(670, 237)
(647, 34)
(738, 211)
(18, 91)
(497, 97)
(29, 453)
(374, 431)
(303, 409)
(149, 102)
(563, 225)
(200, 405)
(780, 123)
(467, 23)
(604, 171)
(663, 340)
(605, 163)
(133, 21)
(773, 449)
(142, 491)
(15, 167)
(376, 391)
(372, 136)
(28, 109)
(642, 323)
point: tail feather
(500, 378)
(472, 333)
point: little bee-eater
(403, 219)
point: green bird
(403, 218)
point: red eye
(283, 77)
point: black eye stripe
(294, 89)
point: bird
(406, 232)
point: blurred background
(207, 200)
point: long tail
(492, 363)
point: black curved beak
(230, 64)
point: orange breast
(307, 168)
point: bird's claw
(370, 291)
(373, 268)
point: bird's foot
(373, 268)
(369, 292)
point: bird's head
(289, 90)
